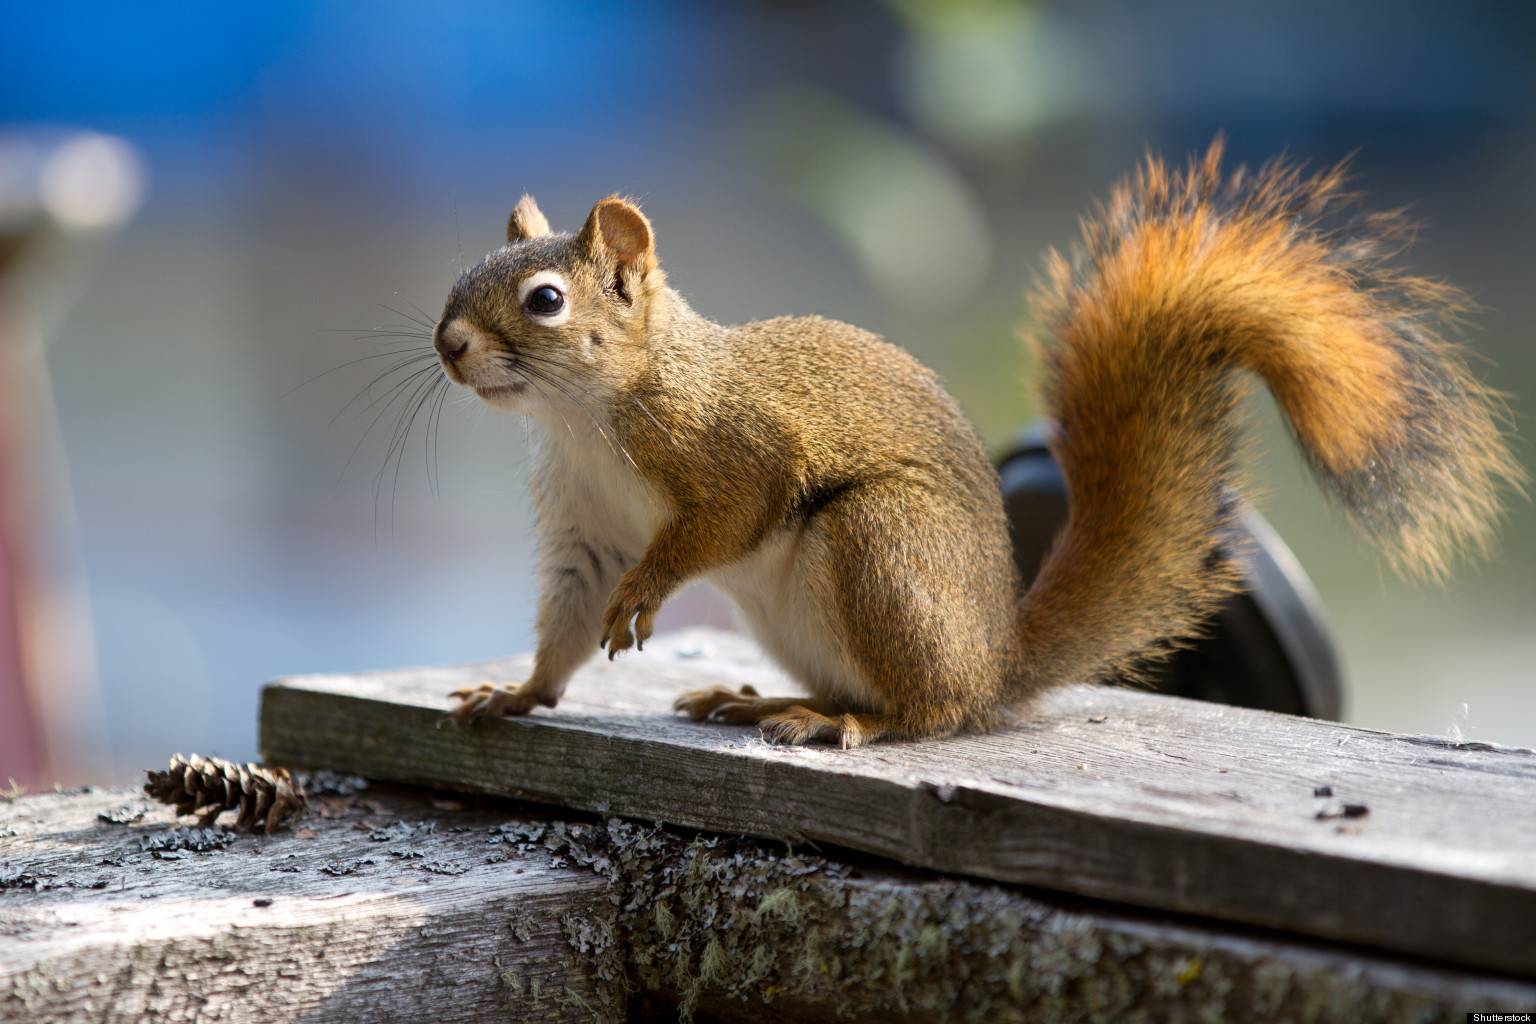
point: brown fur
(826, 481)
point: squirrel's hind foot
(792, 720)
(718, 703)
(744, 706)
(489, 700)
(788, 720)
(800, 724)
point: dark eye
(544, 300)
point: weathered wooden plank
(1136, 798)
(541, 915)
(393, 921)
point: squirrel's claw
(617, 635)
(618, 638)
(635, 599)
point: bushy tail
(1182, 280)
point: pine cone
(267, 797)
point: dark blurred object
(1267, 648)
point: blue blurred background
(310, 170)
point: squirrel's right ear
(526, 221)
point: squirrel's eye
(544, 300)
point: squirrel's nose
(449, 346)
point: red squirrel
(827, 483)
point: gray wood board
(393, 920)
(1130, 797)
(396, 905)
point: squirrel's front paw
(634, 598)
(491, 701)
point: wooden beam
(1134, 798)
(396, 904)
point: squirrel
(826, 482)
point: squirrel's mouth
(492, 392)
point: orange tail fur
(1182, 280)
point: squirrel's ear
(617, 227)
(526, 221)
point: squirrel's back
(863, 404)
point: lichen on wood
(748, 930)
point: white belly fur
(581, 482)
(782, 589)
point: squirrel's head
(552, 319)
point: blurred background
(204, 208)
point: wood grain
(1136, 798)
(410, 926)
(396, 905)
